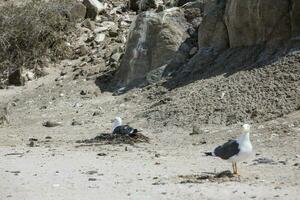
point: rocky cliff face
(226, 25)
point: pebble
(101, 154)
(82, 92)
(51, 124)
(96, 113)
(76, 123)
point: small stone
(113, 33)
(43, 107)
(92, 172)
(116, 57)
(29, 75)
(100, 38)
(282, 162)
(96, 113)
(63, 72)
(100, 29)
(193, 51)
(77, 105)
(87, 23)
(198, 130)
(101, 154)
(31, 144)
(82, 50)
(76, 123)
(92, 179)
(51, 124)
(82, 92)
(264, 161)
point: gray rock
(50, 124)
(116, 57)
(154, 41)
(155, 75)
(93, 8)
(83, 50)
(113, 32)
(198, 130)
(193, 51)
(183, 2)
(100, 38)
(29, 75)
(87, 23)
(212, 31)
(251, 22)
(264, 161)
(78, 12)
(100, 29)
(4, 116)
(76, 123)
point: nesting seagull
(235, 150)
(118, 128)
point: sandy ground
(60, 168)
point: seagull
(118, 128)
(235, 150)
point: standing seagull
(118, 128)
(235, 150)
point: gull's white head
(246, 128)
(117, 122)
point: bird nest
(220, 177)
(108, 138)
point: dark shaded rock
(142, 5)
(295, 18)
(93, 8)
(16, 78)
(212, 31)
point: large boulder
(242, 23)
(295, 18)
(93, 8)
(154, 40)
(252, 22)
(212, 31)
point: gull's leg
(233, 167)
(236, 170)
